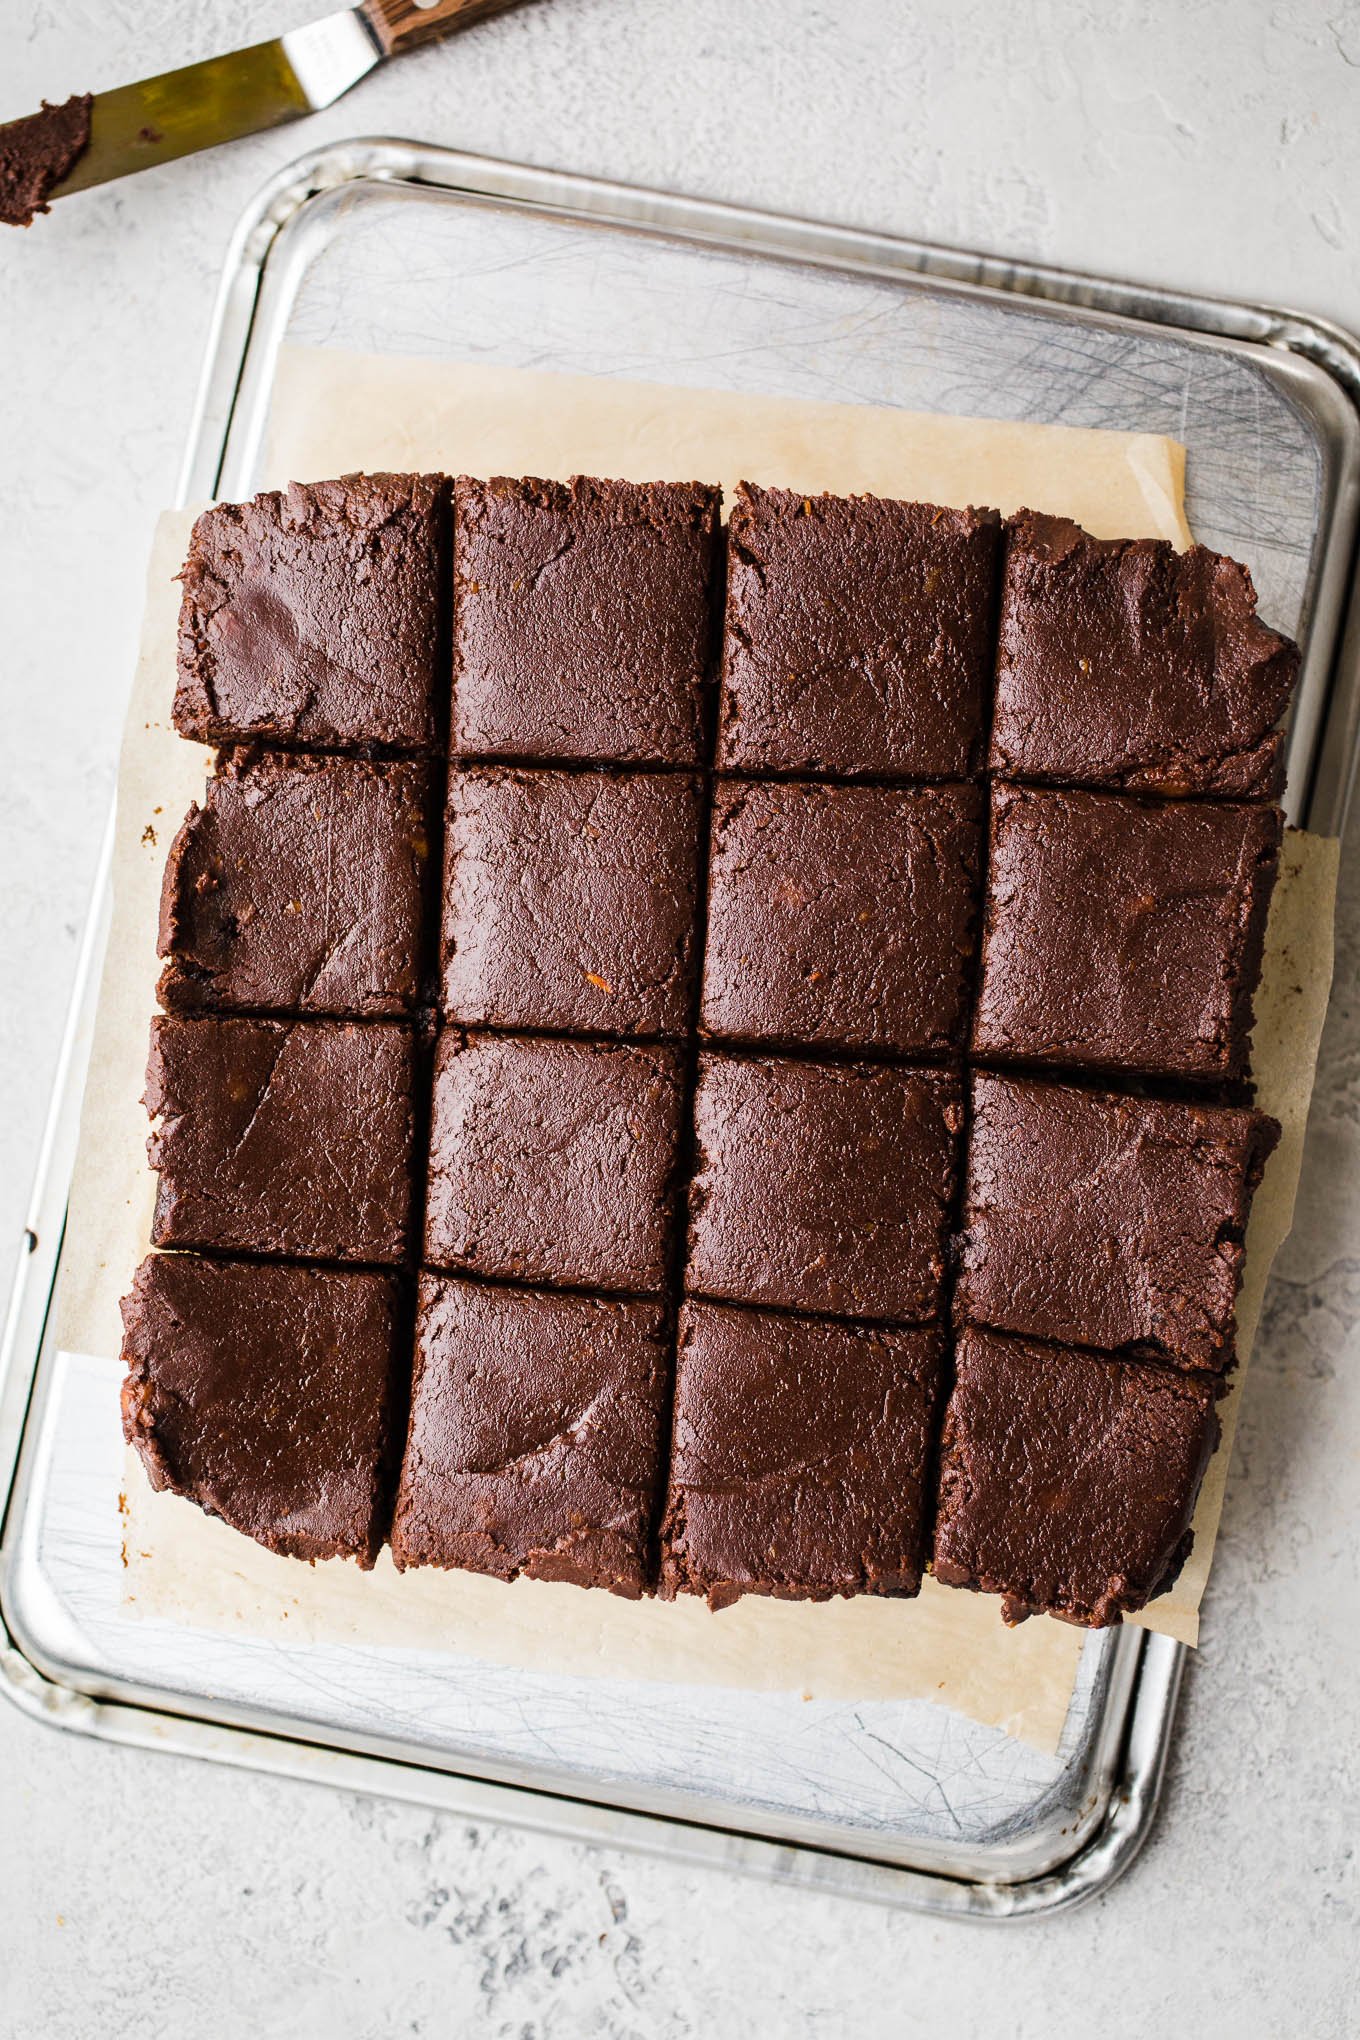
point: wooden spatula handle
(401, 25)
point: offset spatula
(220, 100)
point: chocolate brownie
(822, 1188)
(265, 1394)
(282, 1137)
(858, 635)
(798, 1457)
(298, 886)
(311, 616)
(1068, 1479)
(1125, 664)
(583, 619)
(1108, 1221)
(841, 915)
(535, 1438)
(552, 1161)
(570, 900)
(1124, 936)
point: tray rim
(1135, 1785)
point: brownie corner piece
(583, 619)
(570, 900)
(1127, 665)
(553, 1161)
(264, 1394)
(857, 636)
(534, 1443)
(799, 1457)
(1123, 935)
(310, 616)
(1068, 1479)
(1108, 1220)
(841, 915)
(301, 884)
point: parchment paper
(334, 412)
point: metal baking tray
(389, 247)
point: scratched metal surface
(404, 269)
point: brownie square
(841, 915)
(583, 619)
(553, 1161)
(1125, 664)
(858, 635)
(299, 886)
(1068, 1479)
(264, 1394)
(798, 1457)
(1108, 1221)
(535, 1437)
(311, 616)
(570, 900)
(1124, 936)
(282, 1137)
(822, 1188)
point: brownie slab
(311, 616)
(570, 900)
(553, 1161)
(798, 1457)
(858, 635)
(535, 1437)
(1105, 1221)
(583, 619)
(1123, 936)
(1068, 1479)
(1125, 664)
(282, 1137)
(299, 886)
(822, 1188)
(264, 1394)
(841, 915)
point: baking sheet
(334, 412)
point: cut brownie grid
(843, 905)
(1122, 942)
(576, 853)
(846, 879)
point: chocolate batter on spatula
(35, 154)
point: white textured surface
(1186, 141)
